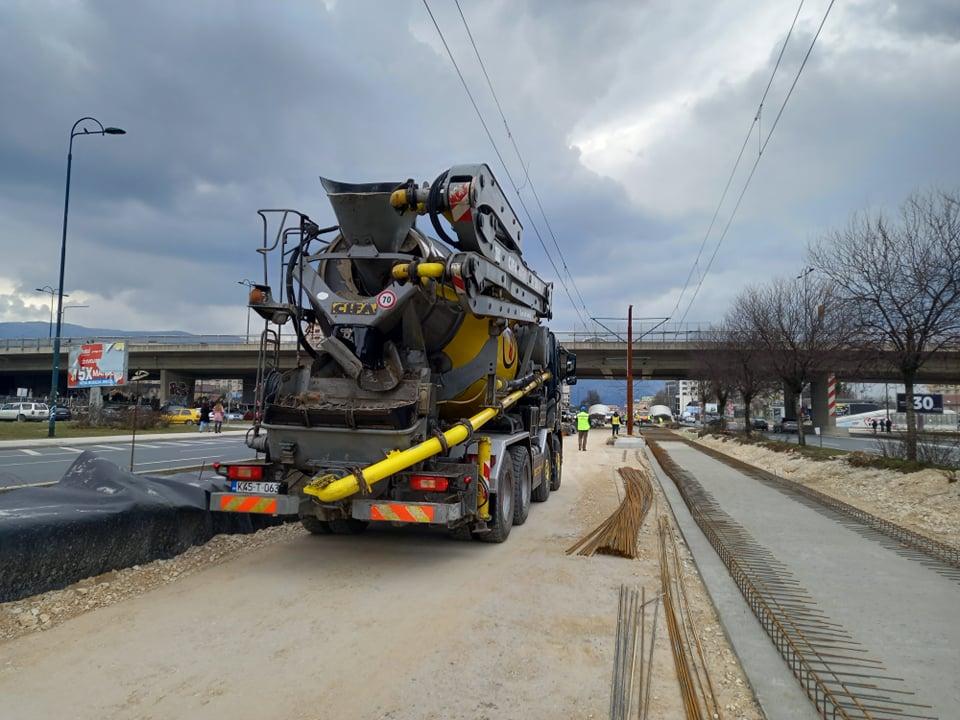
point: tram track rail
(835, 671)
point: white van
(23, 411)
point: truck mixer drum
(405, 339)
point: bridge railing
(46, 344)
(643, 332)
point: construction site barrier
(98, 518)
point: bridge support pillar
(249, 391)
(822, 397)
(789, 404)
(176, 387)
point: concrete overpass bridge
(666, 354)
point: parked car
(183, 416)
(760, 424)
(790, 426)
(62, 413)
(233, 416)
(23, 411)
(785, 426)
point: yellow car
(183, 416)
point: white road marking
(29, 452)
(4, 488)
(109, 447)
(152, 447)
(72, 449)
(203, 458)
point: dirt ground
(392, 624)
(924, 502)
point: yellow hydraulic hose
(424, 270)
(328, 489)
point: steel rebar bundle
(630, 686)
(696, 688)
(617, 535)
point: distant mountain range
(42, 330)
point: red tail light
(429, 482)
(245, 472)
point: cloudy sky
(629, 113)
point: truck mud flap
(406, 512)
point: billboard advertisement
(97, 364)
(931, 404)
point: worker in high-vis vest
(583, 427)
(615, 423)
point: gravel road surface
(394, 624)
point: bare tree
(802, 326)
(749, 372)
(662, 398)
(712, 364)
(902, 280)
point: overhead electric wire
(496, 150)
(736, 165)
(523, 163)
(756, 162)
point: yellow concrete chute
(329, 489)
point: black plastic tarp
(98, 518)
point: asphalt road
(45, 464)
(868, 444)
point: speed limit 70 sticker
(387, 299)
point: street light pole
(137, 377)
(808, 330)
(51, 292)
(55, 374)
(63, 310)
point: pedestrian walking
(615, 423)
(204, 415)
(218, 417)
(889, 424)
(583, 428)
(873, 424)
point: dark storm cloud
(628, 114)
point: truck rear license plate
(249, 486)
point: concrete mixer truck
(426, 388)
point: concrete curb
(95, 440)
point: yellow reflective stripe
(418, 513)
(261, 505)
(234, 504)
(388, 512)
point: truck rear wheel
(315, 525)
(523, 484)
(556, 467)
(501, 509)
(541, 493)
(348, 526)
